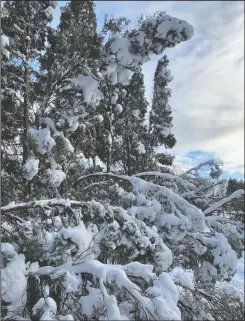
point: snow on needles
(30, 169)
(13, 278)
(219, 204)
(42, 138)
(4, 43)
(126, 53)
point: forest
(96, 223)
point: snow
(169, 24)
(109, 139)
(124, 92)
(118, 109)
(224, 256)
(48, 306)
(120, 47)
(67, 317)
(54, 177)
(48, 11)
(99, 118)
(119, 57)
(93, 299)
(90, 87)
(136, 113)
(163, 294)
(236, 285)
(124, 75)
(145, 217)
(49, 122)
(166, 131)
(72, 121)
(33, 267)
(141, 148)
(40, 203)
(219, 204)
(30, 168)
(43, 139)
(182, 277)
(113, 312)
(4, 43)
(13, 280)
(140, 38)
(79, 235)
(67, 145)
(114, 98)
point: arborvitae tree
(74, 48)
(130, 128)
(25, 26)
(232, 186)
(236, 208)
(160, 122)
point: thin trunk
(127, 141)
(108, 163)
(26, 106)
(26, 111)
(94, 162)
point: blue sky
(208, 87)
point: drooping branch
(224, 201)
(12, 207)
(100, 174)
(196, 168)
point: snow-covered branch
(209, 162)
(224, 201)
(12, 207)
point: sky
(208, 87)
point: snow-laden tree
(197, 185)
(160, 120)
(130, 129)
(119, 58)
(111, 257)
(72, 49)
(108, 250)
(236, 209)
(24, 26)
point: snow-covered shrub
(113, 260)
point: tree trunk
(127, 141)
(108, 163)
(26, 111)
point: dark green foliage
(161, 113)
(25, 25)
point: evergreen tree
(236, 208)
(74, 48)
(130, 128)
(160, 122)
(25, 26)
(231, 187)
